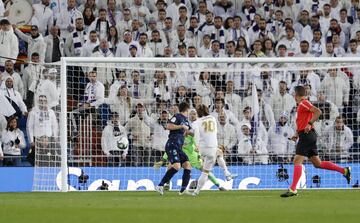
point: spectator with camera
(13, 142)
(114, 142)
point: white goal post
(299, 64)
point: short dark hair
(183, 106)
(299, 91)
(202, 110)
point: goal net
(112, 112)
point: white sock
(201, 182)
(222, 165)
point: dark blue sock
(185, 179)
(168, 175)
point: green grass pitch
(210, 206)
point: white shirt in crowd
(41, 123)
(8, 140)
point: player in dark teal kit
(177, 125)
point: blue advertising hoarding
(145, 178)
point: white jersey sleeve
(205, 133)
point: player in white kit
(205, 134)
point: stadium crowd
(138, 102)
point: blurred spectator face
(127, 37)
(9, 66)
(138, 2)
(353, 47)
(262, 24)
(79, 24)
(218, 23)
(123, 91)
(159, 75)
(218, 105)
(278, 16)
(202, 7)
(135, 25)
(93, 37)
(288, 23)
(192, 115)
(162, 15)
(222, 118)
(333, 24)
(182, 91)
(209, 17)
(343, 15)
(321, 96)
(304, 74)
(317, 36)
(219, 94)
(329, 48)
(197, 100)
(191, 52)
(307, 90)
(160, 5)
(181, 31)
(247, 114)
(339, 124)
(140, 109)
(304, 47)
(35, 59)
(237, 22)
(204, 76)
(9, 83)
(238, 53)
(182, 13)
(90, 2)
(127, 15)
(304, 16)
(102, 16)
(92, 77)
(13, 124)
(257, 18)
(268, 44)
(194, 23)
(104, 44)
(332, 72)
(245, 130)
(282, 88)
(230, 48)
(34, 32)
(87, 12)
(282, 52)
(133, 51)
(113, 31)
(174, 109)
(334, 3)
(283, 120)
(215, 47)
(111, 5)
(168, 23)
(229, 86)
(143, 40)
(257, 46)
(327, 10)
(289, 34)
(358, 36)
(247, 3)
(335, 39)
(155, 36)
(314, 21)
(164, 116)
(42, 102)
(54, 30)
(71, 4)
(45, 2)
(135, 77)
(206, 40)
(182, 50)
(167, 52)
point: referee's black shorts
(306, 145)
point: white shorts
(209, 159)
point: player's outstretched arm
(171, 126)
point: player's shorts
(209, 159)
(175, 153)
(307, 144)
